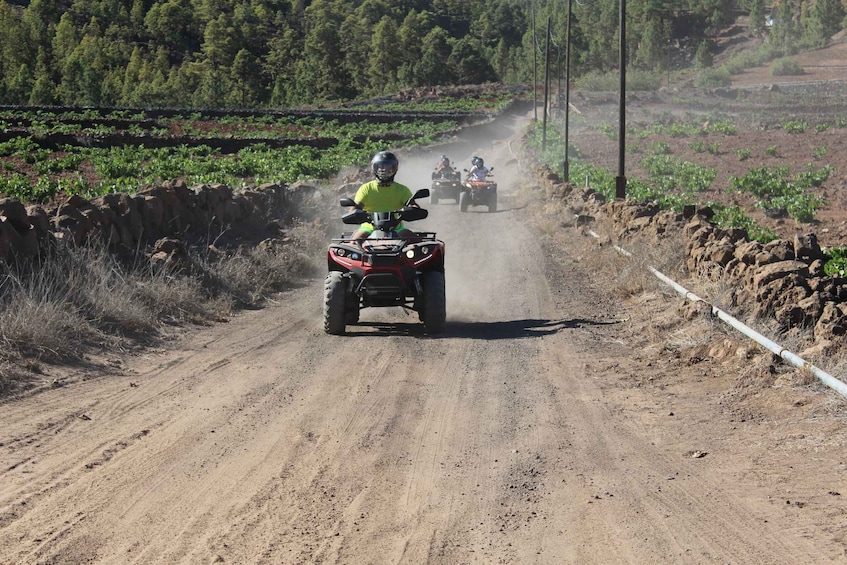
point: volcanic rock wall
(781, 281)
(131, 222)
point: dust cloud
(468, 268)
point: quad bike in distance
(446, 183)
(385, 270)
(478, 193)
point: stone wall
(133, 221)
(781, 281)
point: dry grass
(77, 299)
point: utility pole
(546, 86)
(567, 165)
(534, 66)
(620, 180)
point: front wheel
(434, 314)
(463, 201)
(334, 303)
(433, 197)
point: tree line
(279, 53)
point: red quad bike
(478, 193)
(445, 184)
(385, 270)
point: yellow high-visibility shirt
(375, 198)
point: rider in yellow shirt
(382, 194)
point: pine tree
(383, 63)
(436, 48)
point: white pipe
(839, 386)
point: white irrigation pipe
(839, 386)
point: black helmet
(384, 165)
(445, 159)
(477, 162)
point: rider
(443, 168)
(479, 171)
(382, 194)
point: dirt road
(536, 430)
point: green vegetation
(734, 217)
(786, 66)
(836, 263)
(794, 126)
(773, 190)
(240, 54)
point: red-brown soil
(759, 104)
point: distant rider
(382, 194)
(478, 171)
(443, 169)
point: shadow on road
(513, 329)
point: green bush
(786, 67)
(711, 78)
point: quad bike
(446, 183)
(478, 193)
(385, 270)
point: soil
(759, 105)
(569, 414)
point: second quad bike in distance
(385, 270)
(446, 183)
(478, 193)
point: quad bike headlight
(340, 251)
(425, 250)
(410, 253)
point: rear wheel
(492, 202)
(334, 303)
(463, 201)
(434, 313)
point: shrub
(711, 78)
(786, 67)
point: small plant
(743, 154)
(836, 265)
(698, 146)
(723, 127)
(794, 126)
(771, 151)
(714, 148)
(820, 128)
(820, 152)
(609, 131)
(660, 148)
